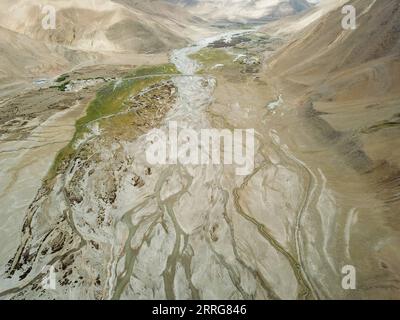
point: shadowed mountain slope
(350, 80)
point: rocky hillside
(347, 82)
(88, 29)
(242, 11)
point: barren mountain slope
(241, 11)
(101, 25)
(359, 69)
(98, 29)
(23, 57)
(290, 25)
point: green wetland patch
(213, 60)
(109, 101)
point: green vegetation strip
(109, 101)
(209, 58)
(167, 69)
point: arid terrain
(85, 215)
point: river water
(184, 234)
